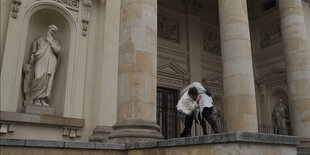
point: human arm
(54, 44)
(198, 98)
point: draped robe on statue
(45, 62)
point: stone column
(239, 91)
(297, 57)
(136, 111)
(103, 45)
(194, 35)
(194, 43)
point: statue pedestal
(39, 110)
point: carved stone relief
(211, 43)
(84, 27)
(6, 127)
(168, 28)
(71, 132)
(15, 8)
(170, 74)
(85, 19)
(70, 3)
(275, 77)
(270, 34)
(194, 6)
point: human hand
(49, 38)
(198, 98)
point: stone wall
(99, 98)
(4, 16)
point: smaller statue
(281, 115)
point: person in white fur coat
(206, 107)
(186, 105)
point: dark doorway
(166, 116)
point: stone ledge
(235, 137)
(80, 145)
(12, 142)
(40, 119)
(60, 144)
(45, 143)
(220, 138)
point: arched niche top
(30, 10)
(278, 91)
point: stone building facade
(123, 64)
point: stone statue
(41, 68)
(281, 115)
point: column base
(128, 131)
(101, 134)
(304, 147)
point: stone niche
(30, 21)
(37, 27)
(274, 100)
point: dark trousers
(188, 126)
(206, 115)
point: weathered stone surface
(233, 137)
(100, 134)
(237, 66)
(137, 73)
(221, 138)
(39, 110)
(297, 60)
(44, 143)
(237, 142)
(40, 119)
(12, 142)
(110, 146)
(80, 145)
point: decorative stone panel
(270, 34)
(70, 3)
(168, 28)
(170, 74)
(15, 8)
(194, 6)
(211, 42)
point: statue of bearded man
(44, 57)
